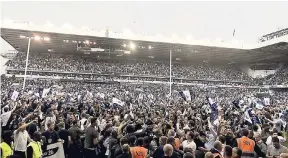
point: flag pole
(27, 57)
(170, 73)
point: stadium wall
(256, 73)
(263, 73)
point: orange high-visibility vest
(138, 152)
(246, 144)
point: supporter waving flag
(117, 102)
(187, 95)
(236, 104)
(141, 96)
(283, 117)
(214, 110)
(259, 104)
(67, 98)
(151, 96)
(45, 92)
(266, 101)
(251, 117)
(14, 95)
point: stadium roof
(54, 42)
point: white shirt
(269, 140)
(20, 140)
(277, 123)
(82, 123)
(191, 145)
(259, 131)
(101, 124)
(272, 151)
(211, 137)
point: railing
(126, 75)
(127, 81)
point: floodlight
(22, 36)
(149, 47)
(46, 39)
(132, 46)
(37, 38)
(124, 45)
(87, 42)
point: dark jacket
(124, 155)
(158, 152)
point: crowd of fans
(280, 77)
(59, 63)
(133, 120)
(95, 68)
(149, 123)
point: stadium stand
(92, 105)
(58, 63)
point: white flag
(151, 96)
(45, 92)
(267, 101)
(187, 95)
(37, 95)
(117, 101)
(5, 117)
(14, 95)
(141, 96)
(54, 151)
(247, 116)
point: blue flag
(214, 110)
(236, 104)
(251, 117)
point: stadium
(100, 94)
(263, 60)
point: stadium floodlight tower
(36, 38)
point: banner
(54, 151)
